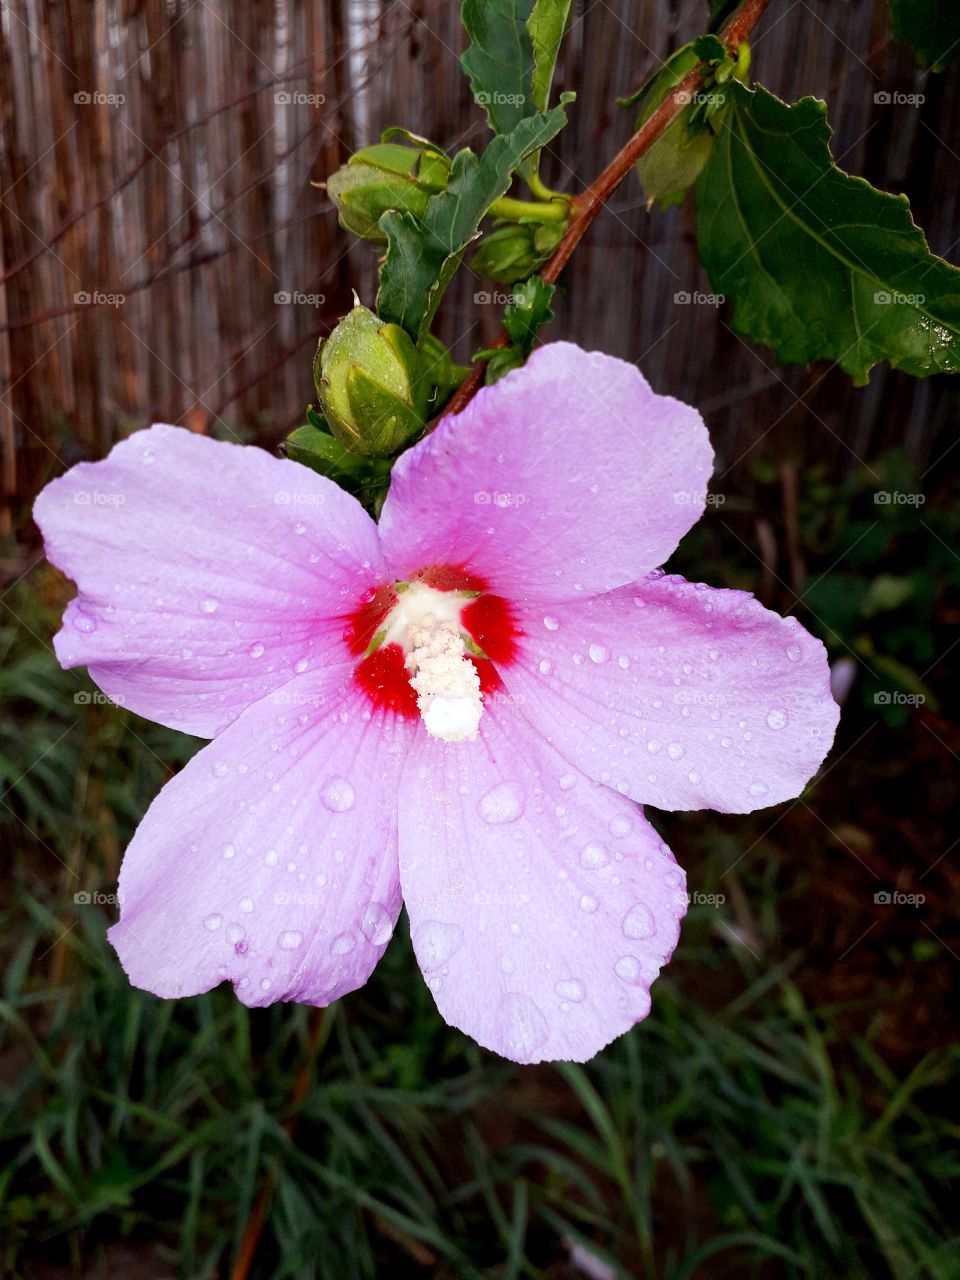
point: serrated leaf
(818, 264)
(545, 26)
(499, 59)
(930, 27)
(423, 255)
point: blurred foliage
(789, 1109)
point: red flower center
(485, 620)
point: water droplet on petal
(213, 921)
(550, 622)
(522, 1027)
(436, 942)
(639, 922)
(567, 782)
(758, 788)
(290, 939)
(593, 856)
(793, 653)
(598, 653)
(502, 804)
(620, 826)
(229, 851)
(343, 943)
(337, 795)
(675, 750)
(209, 605)
(571, 989)
(219, 770)
(777, 718)
(627, 970)
(83, 622)
(588, 903)
(246, 905)
(256, 650)
(376, 925)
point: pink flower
(462, 707)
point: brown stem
(258, 1214)
(586, 205)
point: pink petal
(567, 477)
(679, 695)
(208, 573)
(541, 904)
(270, 860)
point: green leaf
(423, 255)
(819, 265)
(315, 448)
(546, 25)
(931, 27)
(499, 59)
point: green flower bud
(369, 380)
(515, 251)
(381, 177)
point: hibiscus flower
(460, 709)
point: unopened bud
(381, 177)
(369, 380)
(516, 251)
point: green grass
(789, 1109)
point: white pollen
(445, 681)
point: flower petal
(208, 573)
(541, 905)
(270, 859)
(679, 695)
(567, 477)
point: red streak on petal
(490, 621)
(368, 617)
(444, 577)
(385, 680)
(488, 673)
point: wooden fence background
(156, 205)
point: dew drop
(546, 666)
(777, 718)
(522, 1027)
(436, 942)
(593, 856)
(638, 922)
(758, 788)
(620, 826)
(337, 795)
(213, 921)
(567, 782)
(290, 939)
(550, 622)
(376, 925)
(793, 653)
(256, 650)
(219, 770)
(588, 903)
(235, 934)
(342, 943)
(598, 653)
(83, 622)
(209, 605)
(627, 970)
(246, 905)
(571, 989)
(502, 804)
(675, 751)
(229, 851)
